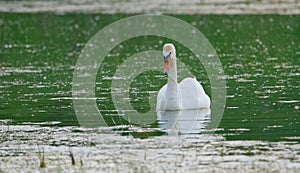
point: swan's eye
(167, 55)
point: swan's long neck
(172, 87)
(172, 77)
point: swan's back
(193, 95)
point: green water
(259, 53)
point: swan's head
(169, 54)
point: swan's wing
(193, 95)
(161, 99)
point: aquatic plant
(72, 156)
(41, 156)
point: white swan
(188, 94)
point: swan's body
(188, 94)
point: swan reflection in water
(184, 121)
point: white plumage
(188, 94)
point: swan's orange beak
(167, 65)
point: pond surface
(258, 131)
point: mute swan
(188, 94)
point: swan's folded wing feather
(193, 95)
